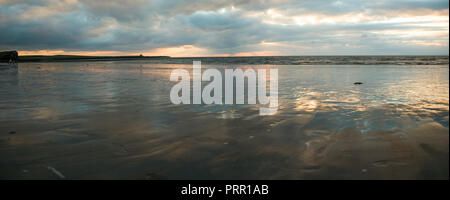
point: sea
(114, 119)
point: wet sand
(114, 120)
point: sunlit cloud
(62, 52)
(181, 51)
(225, 28)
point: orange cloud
(258, 53)
(84, 53)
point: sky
(225, 28)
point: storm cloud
(219, 27)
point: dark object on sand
(8, 56)
(357, 83)
(12, 132)
(154, 176)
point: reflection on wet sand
(114, 120)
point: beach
(114, 120)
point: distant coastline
(8, 56)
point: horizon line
(233, 56)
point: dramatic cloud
(219, 27)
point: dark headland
(8, 56)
